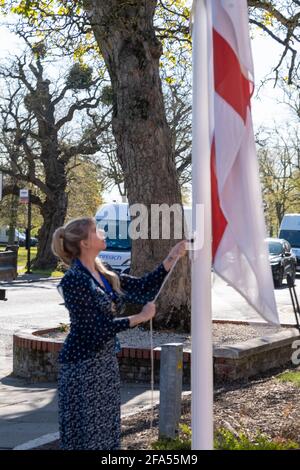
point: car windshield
(275, 248)
(292, 236)
(117, 238)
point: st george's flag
(239, 252)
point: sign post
(1, 185)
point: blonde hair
(66, 246)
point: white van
(115, 220)
(290, 231)
(4, 233)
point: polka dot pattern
(92, 322)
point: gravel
(223, 333)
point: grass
(22, 256)
(226, 440)
(22, 260)
(290, 376)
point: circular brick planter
(36, 359)
(34, 356)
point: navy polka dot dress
(89, 381)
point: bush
(64, 328)
(226, 440)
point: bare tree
(179, 115)
(178, 106)
(34, 118)
(279, 176)
(280, 19)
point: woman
(89, 383)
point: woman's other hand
(147, 313)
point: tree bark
(54, 208)
(13, 211)
(125, 35)
(54, 211)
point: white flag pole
(202, 353)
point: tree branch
(85, 104)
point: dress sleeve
(140, 290)
(84, 305)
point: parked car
(4, 236)
(290, 231)
(283, 261)
(22, 240)
(33, 241)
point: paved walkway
(29, 411)
(30, 278)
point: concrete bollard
(171, 363)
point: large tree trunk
(13, 215)
(54, 211)
(125, 34)
(54, 208)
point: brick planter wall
(244, 360)
(135, 365)
(35, 358)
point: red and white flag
(225, 183)
(239, 252)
